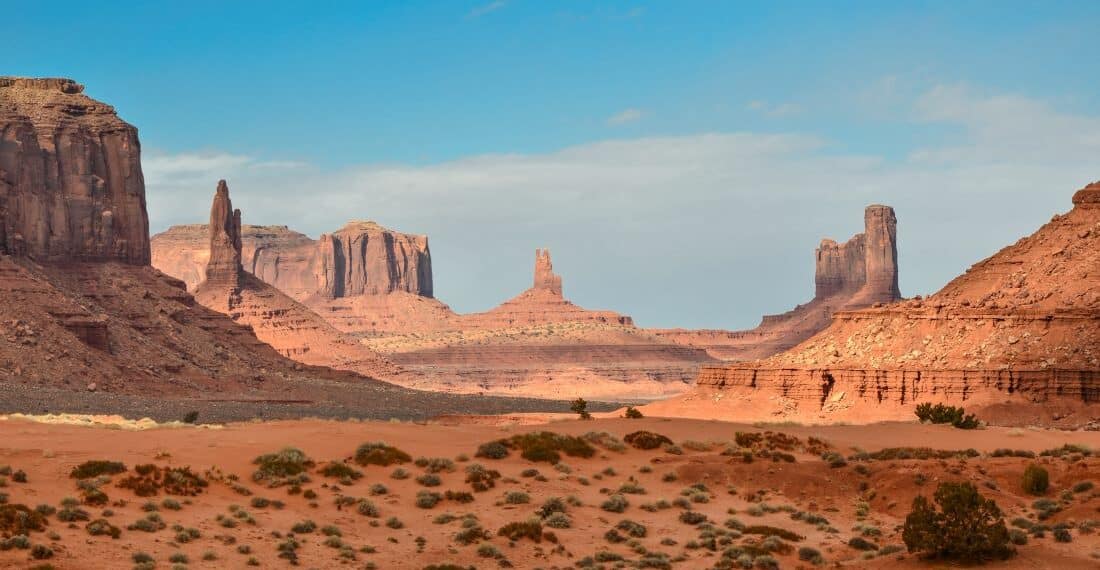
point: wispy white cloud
(484, 9)
(719, 225)
(626, 116)
(776, 110)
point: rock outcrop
(858, 273)
(361, 258)
(290, 327)
(545, 278)
(1015, 339)
(71, 187)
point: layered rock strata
(858, 273)
(361, 258)
(1015, 339)
(285, 324)
(71, 186)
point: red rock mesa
(855, 274)
(1015, 339)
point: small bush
(646, 440)
(367, 508)
(692, 517)
(18, 519)
(518, 530)
(190, 417)
(429, 480)
(545, 446)
(615, 504)
(95, 468)
(943, 414)
(277, 468)
(304, 527)
(1036, 480)
(580, 407)
(101, 527)
(632, 413)
(427, 499)
(378, 453)
(337, 470)
(1062, 535)
(492, 450)
(967, 528)
(631, 528)
(812, 555)
(772, 531)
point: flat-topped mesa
(71, 186)
(364, 258)
(545, 278)
(224, 268)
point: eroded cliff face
(1015, 339)
(858, 273)
(71, 186)
(289, 327)
(361, 258)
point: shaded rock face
(1017, 336)
(362, 258)
(71, 186)
(224, 267)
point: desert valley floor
(717, 496)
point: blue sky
(681, 159)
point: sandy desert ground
(379, 520)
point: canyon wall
(858, 273)
(1015, 339)
(71, 186)
(361, 258)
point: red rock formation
(1015, 339)
(858, 273)
(71, 186)
(544, 273)
(361, 258)
(285, 324)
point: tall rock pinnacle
(544, 273)
(224, 267)
(880, 257)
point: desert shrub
(860, 543)
(367, 508)
(151, 523)
(435, 464)
(558, 520)
(833, 459)
(1083, 486)
(304, 527)
(378, 489)
(515, 531)
(772, 531)
(631, 488)
(646, 440)
(547, 446)
(637, 530)
(692, 517)
(95, 468)
(921, 453)
(427, 499)
(943, 414)
(516, 498)
(1062, 535)
(191, 417)
(338, 470)
(101, 527)
(148, 480)
(632, 413)
(967, 527)
(492, 450)
(605, 440)
(480, 478)
(461, 497)
(378, 453)
(615, 504)
(1036, 480)
(580, 407)
(283, 467)
(18, 519)
(429, 480)
(399, 474)
(1070, 449)
(808, 554)
(19, 476)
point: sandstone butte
(1016, 339)
(83, 308)
(855, 274)
(278, 320)
(537, 343)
